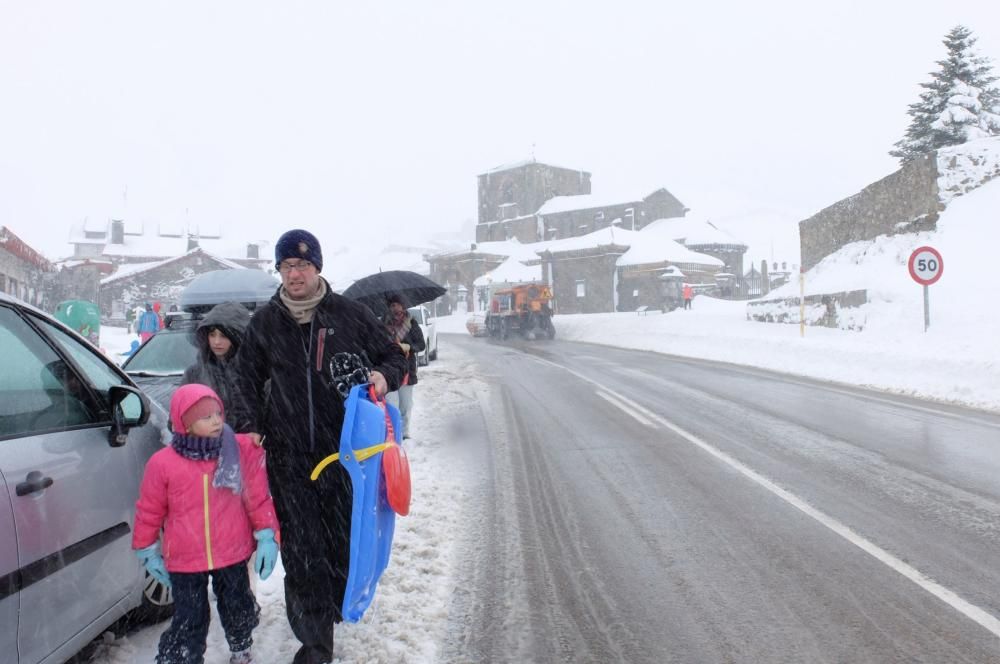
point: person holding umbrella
(410, 338)
(313, 345)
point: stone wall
(903, 202)
(595, 268)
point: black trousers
(315, 522)
(184, 642)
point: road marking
(951, 598)
(622, 406)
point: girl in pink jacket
(208, 493)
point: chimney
(117, 231)
(253, 250)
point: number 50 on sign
(926, 267)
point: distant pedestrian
(148, 325)
(210, 526)
(688, 294)
(407, 333)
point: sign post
(926, 267)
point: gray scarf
(302, 310)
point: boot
(241, 657)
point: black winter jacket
(222, 375)
(311, 368)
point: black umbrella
(375, 289)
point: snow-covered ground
(406, 622)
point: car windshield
(164, 354)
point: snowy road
(647, 509)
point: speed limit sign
(926, 265)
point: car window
(417, 314)
(100, 375)
(164, 353)
(38, 390)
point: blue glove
(153, 562)
(267, 552)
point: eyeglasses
(301, 266)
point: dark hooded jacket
(222, 375)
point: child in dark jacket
(208, 493)
(218, 337)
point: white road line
(622, 406)
(969, 610)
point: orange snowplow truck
(525, 310)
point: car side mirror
(129, 408)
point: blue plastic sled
(372, 520)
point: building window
(635, 293)
(598, 217)
(581, 288)
(3, 282)
(629, 219)
(583, 228)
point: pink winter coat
(204, 527)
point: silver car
(75, 435)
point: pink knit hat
(192, 402)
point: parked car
(158, 365)
(423, 317)
(76, 433)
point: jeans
(184, 642)
(403, 400)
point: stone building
(524, 207)
(510, 195)
(160, 281)
(615, 269)
(571, 216)
(24, 272)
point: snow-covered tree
(959, 104)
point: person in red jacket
(208, 493)
(688, 294)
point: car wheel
(422, 359)
(434, 353)
(157, 603)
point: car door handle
(35, 481)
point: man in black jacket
(313, 345)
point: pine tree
(959, 104)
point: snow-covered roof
(510, 271)
(146, 239)
(660, 247)
(692, 231)
(136, 268)
(600, 238)
(582, 202)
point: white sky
(368, 121)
